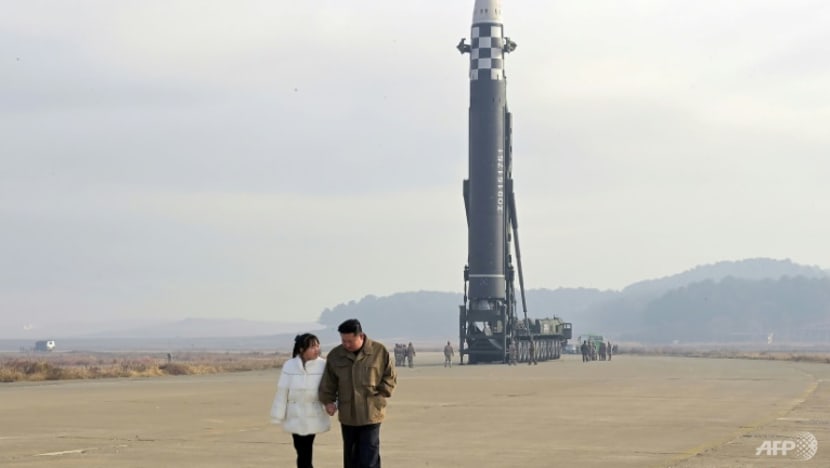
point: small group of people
(404, 355)
(354, 382)
(592, 351)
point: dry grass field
(78, 365)
(635, 411)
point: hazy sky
(267, 159)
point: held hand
(331, 408)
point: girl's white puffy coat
(297, 406)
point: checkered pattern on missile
(487, 52)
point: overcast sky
(268, 159)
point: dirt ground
(630, 412)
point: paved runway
(630, 412)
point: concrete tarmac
(630, 412)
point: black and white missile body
(488, 191)
(489, 327)
(488, 158)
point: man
(448, 354)
(512, 353)
(531, 358)
(357, 380)
(397, 354)
(410, 354)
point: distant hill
(569, 303)
(752, 269)
(409, 315)
(624, 314)
(630, 313)
(733, 309)
(433, 315)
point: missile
(488, 190)
(487, 152)
(489, 327)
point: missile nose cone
(487, 11)
(487, 46)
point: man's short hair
(350, 326)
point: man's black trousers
(361, 446)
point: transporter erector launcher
(488, 323)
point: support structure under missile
(489, 326)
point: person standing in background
(410, 355)
(448, 354)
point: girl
(296, 405)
